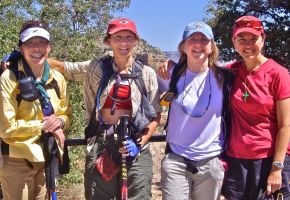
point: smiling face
(197, 48)
(122, 43)
(35, 51)
(248, 45)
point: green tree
(275, 16)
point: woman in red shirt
(260, 107)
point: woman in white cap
(198, 92)
(34, 102)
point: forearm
(55, 64)
(76, 71)
(149, 130)
(281, 145)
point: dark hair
(33, 23)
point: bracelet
(62, 122)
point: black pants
(246, 179)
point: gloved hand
(132, 147)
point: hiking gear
(124, 123)
(145, 113)
(106, 166)
(40, 85)
(132, 147)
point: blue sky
(162, 22)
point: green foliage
(275, 16)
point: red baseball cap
(121, 24)
(249, 24)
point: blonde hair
(212, 59)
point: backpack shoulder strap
(228, 77)
(137, 72)
(174, 78)
(173, 87)
(18, 75)
(107, 70)
(53, 84)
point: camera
(167, 98)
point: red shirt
(254, 122)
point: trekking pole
(50, 179)
(51, 163)
(124, 121)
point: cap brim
(27, 38)
(248, 30)
(115, 30)
(34, 32)
(203, 31)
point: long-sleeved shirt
(21, 125)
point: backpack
(145, 113)
(27, 72)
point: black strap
(27, 72)
(175, 77)
(228, 78)
(173, 87)
(108, 71)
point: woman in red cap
(260, 106)
(109, 96)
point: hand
(51, 123)
(163, 70)
(130, 148)
(59, 136)
(4, 65)
(274, 181)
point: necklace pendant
(246, 95)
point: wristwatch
(278, 164)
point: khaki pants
(178, 183)
(20, 182)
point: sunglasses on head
(257, 25)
